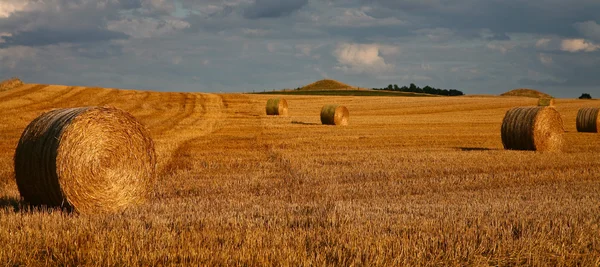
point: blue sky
(477, 46)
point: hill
(327, 84)
(524, 92)
(10, 84)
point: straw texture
(587, 120)
(277, 106)
(532, 128)
(334, 115)
(88, 159)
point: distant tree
(585, 96)
(427, 89)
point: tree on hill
(585, 96)
(427, 89)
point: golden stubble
(411, 181)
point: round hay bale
(87, 159)
(277, 106)
(546, 102)
(587, 120)
(532, 128)
(334, 115)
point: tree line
(425, 90)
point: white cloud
(7, 7)
(577, 45)
(363, 58)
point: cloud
(577, 45)
(542, 43)
(272, 8)
(545, 59)
(255, 32)
(146, 27)
(589, 29)
(7, 7)
(352, 17)
(362, 58)
(41, 37)
(501, 47)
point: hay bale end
(87, 159)
(277, 106)
(587, 120)
(532, 128)
(334, 115)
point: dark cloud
(506, 16)
(478, 46)
(272, 8)
(41, 37)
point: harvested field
(410, 181)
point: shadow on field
(475, 149)
(11, 202)
(304, 123)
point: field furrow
(410, 181)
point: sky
(476, 46)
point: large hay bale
(334, 115)
(546, 102)
(88, 159)
(532, 128)
(277, 106)
(587, 120)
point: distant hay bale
(87, 159)
(277, 106)
(10, 83)
(587, 120)
(532, 128)
(334, 115)
(546, 102)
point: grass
(410, 181)
(524, 92)
(328, 84)
(343, 93)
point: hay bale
(587, 120)
(532, 128)
(277, 106)
(10, 84)
(88, 159)
(546, 102)
(334, 115)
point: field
(344, 93)
(411, 181)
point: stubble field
(411, 181)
